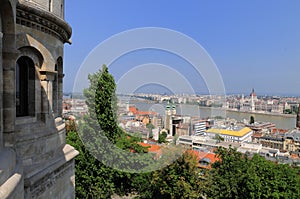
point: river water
(281, 121)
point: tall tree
(102, 139)
(252, 119)
(102, 103)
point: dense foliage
(95, 180)
(178, 180)
(162, 137)
(239, 176)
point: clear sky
(254, 43)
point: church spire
(298, 117)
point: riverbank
(265, 113)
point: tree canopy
(239, 176)
(252, 119)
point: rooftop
(238, 132)
(295, 135)
(150, 147)
(204, 159)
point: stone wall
(59, 183)
(1, 86)
(11, 173)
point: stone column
(9, 103)
(50, 95)
(60, 95)
(44, 100)
(47, 78)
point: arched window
(25, 87)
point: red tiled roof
(275, 130)
(257, 135)
(152, 147)
(135, 111)
(295, 156)
(200, 155)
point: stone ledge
(36, 130)
(25, 120)
(7, 164)
(44, 170)
(58, 121)
(61, 127)
(9, 187)
(13, 187)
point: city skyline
(253, 44)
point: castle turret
(168, 109)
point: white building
(200, 127)
(231, 134)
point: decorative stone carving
(42, 21)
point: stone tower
(298, 117)
(253, 99)
(35, 161)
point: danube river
(281, 121)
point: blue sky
(254, 44)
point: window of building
(25, 87)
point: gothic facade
(35, 161)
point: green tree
(219, 138)
(162, 137)
(130, 143)
(178, 180)
(102, 102)
(252, 119)
(288, 111)
(101, 119)
(103, 138)
(219, 117)
(93, 179)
